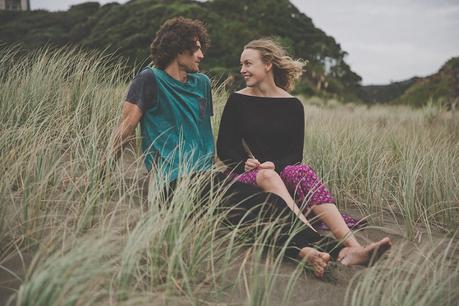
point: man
(173, 104)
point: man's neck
(176, 72)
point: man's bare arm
(130, 117)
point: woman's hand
(267, 165)
(251, 164)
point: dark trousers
(248, 205)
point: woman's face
(253, 70)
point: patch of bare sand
(330, 290)
(13, 268)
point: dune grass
(103, 241)
(427, 276)
(389, 159)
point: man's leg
(249, 204)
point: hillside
(128, 29)
(441, 87)
(386, 93)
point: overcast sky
(387, 40)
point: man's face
(189, 61)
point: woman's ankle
(352, 244)
(350, 241)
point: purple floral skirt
(306, 188)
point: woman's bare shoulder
(284, 94)
(244, 91)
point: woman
(261, 140)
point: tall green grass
(104, 241)
(388, 159)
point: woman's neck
(266, 89)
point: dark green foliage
(435, 89)
(385, 93)
(439, 88)
(129, 29)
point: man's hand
(251, 164)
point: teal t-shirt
(176, 130)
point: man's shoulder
(146, 73)
(202, 77)
(145, 76)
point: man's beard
(192, 70)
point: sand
(308, 291)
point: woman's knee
(267, 176)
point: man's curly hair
(175, 36)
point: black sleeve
(142, 90)
(295, 153)
(229, 141)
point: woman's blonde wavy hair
(285, 69)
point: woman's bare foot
(350, 256)
(317, 260)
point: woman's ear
(269, 67)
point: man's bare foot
(350, 256)
(317, 260)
